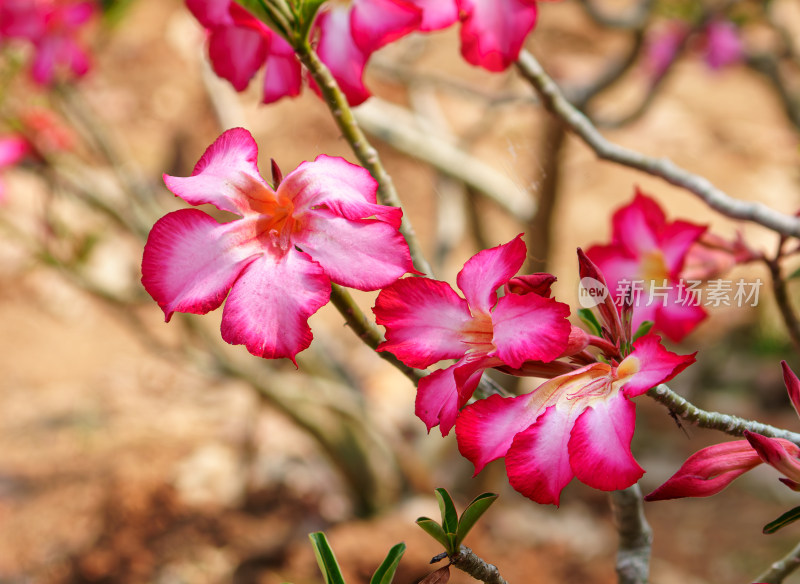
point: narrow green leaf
(643, 329)
(794, 275)
(448, 510)
(435, 531)
(472, 513)
(590, 320)
(385, 572)
(789, 517)
(325, 558)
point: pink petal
(76, 14)
(226, 176)
(283, 76)
(600, 446)
(437, 400)
(343, 188)
(708, 471)
(468, 373)
(337, 49)
(493, 31)
(486, 428)
(637, 225)
(190, 261)
(211, 13)
(778, 453)
(489, 269)
(676, 239)
(12, 150)
(538, 460)
(423, 320)
(365, 254)
(530, 328)
(269, 305)
(723, 45)
(648, 365)
(792, 386)
(436, 14)
(376, 23)
(237, 53)
(677, 319)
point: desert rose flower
(493, 31)
(710, 470)
(276, 262)
(427, 321)
(579, 424)
(53, 27)
(646, 256)
(346, 34)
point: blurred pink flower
(13, 148)
(723, 46)
(276, 262)
(649, 252)
(52, 26)
(427, 321)
(579, 424)
(493, 31)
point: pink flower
(275, 263)
(427, 321)
(239, 45)
(493, 31)
(723, 46)
(662, 47)
(52, 26)
(710, 470)
(579, 424)
(647, 256)
(347, 33)
(13, 148)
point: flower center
(478, 334)
(653, 269)
(275, 225)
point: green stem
(778, 571)
(367, 155)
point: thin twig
(397, 126)
(664, 168)
(779, 289)
(782, 568)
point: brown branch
(558, 105)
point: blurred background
(135, 451)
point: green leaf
(590, 320)
(325, 558)
(782, 521)
(385, 572)
(472, 513)
(643, 329)
(435, 531)
(794, 275)
(448, 510)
